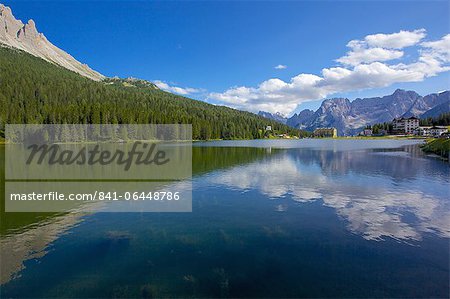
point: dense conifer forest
(35, 91)
(441, 120)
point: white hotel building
(405, 125)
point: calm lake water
(305, 218)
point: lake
(271, 218)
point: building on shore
(437, 131)
(429, 131)
(325, 132)
(366, 132)
(422, 131)
(446, 135)
(404, 125)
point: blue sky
(222, 51)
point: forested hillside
(35, 91)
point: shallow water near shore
(271, 218)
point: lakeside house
(405, 125)
(430, 131)
(437, 131)
(325, 132)
(422, 131)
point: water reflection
(266, 222)
(31, 243)
(394, 193)
(28, 236)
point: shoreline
(3, 141)
(437, 146)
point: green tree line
(441, 120)
(380, 128)
(33, 91)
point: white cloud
(381, 47)
(439, 49)
(359, 55)
(175, 89)
(397, 40)
(365, 66)
(281, 67)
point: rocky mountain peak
(399, 91)
(5, 10)
(402, 93)
(335, 101)
(30, 27)
(25, 37)
(27, 31)
(335, 104)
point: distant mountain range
(351, 117)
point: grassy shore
(438, 146)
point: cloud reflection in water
(378, 195)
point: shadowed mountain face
(299, 120)
(25, 37)
(428, 103)
(439, 109)
(350, 117)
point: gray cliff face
(334, 112)
(425, 104)
(25, 37)
(384, 108)
(443, 107)
(301, 119)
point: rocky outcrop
(131, 82)
(25, 37)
